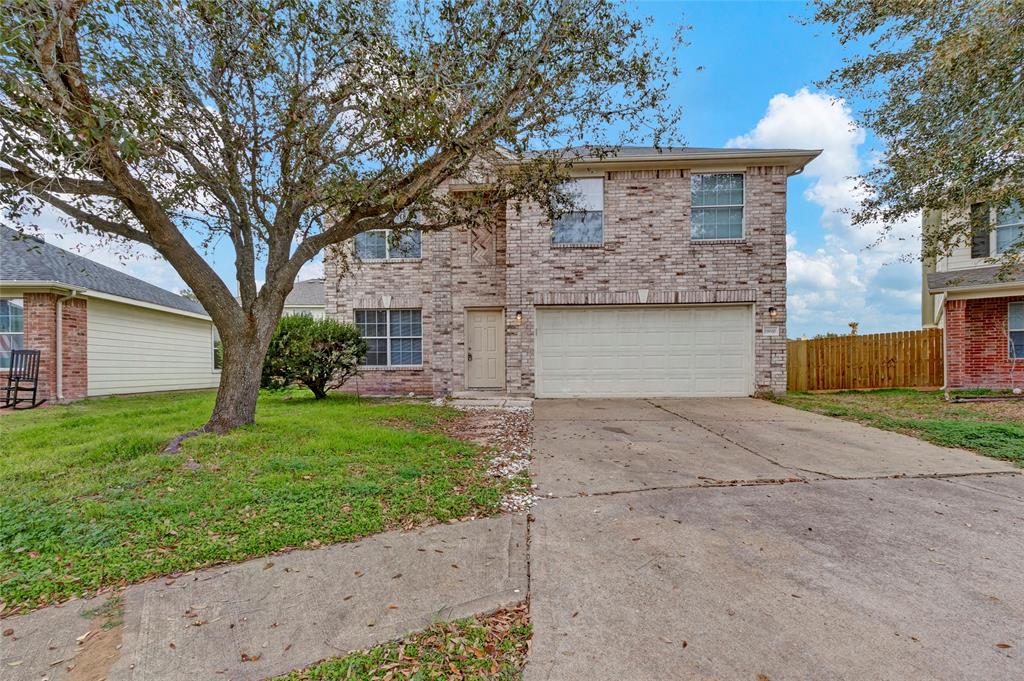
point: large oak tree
(942, 84)
(281, 127)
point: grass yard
(490, 648)
(87, 500)
(994, 429)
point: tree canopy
(943, 88)
(281, 127)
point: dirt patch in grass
(490, 647)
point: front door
(485, 349)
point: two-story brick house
(668, 279)
(979, 304)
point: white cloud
(314, 269)
(850, 278)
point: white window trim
(389, 337)
(213, 351)
(742, 206)
(993, 237)
(6, 370)
(584, 244)
(387, 248)
(1009, 330)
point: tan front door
(485, 349)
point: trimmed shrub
(320, 354)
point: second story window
(387, 244)
(1009, 226)
(717, 206)
(582, 223)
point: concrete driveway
(738, 539)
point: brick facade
(647, 257)
(977, 345)
(41, 334)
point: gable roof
(27, 259)
(307, 292)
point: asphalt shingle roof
(308, 292)
(981, 276)
(627, 152)
(25, 258)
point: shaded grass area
(476, 649)
(88, 501)
(995, 429)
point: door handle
(470, 356)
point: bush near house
(320, 354)
(88, 501)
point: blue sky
(756, 89)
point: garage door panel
(649, 351)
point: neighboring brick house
(980, 305)
(100, 331)
(668, 279)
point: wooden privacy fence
(911, 359)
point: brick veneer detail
(41, 334)
(647, 247)
(977, 345)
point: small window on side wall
(218, 351)
(1015, 330)
(716, 206)
(1009, 226)
(581, 222)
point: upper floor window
(1009, 226)
(12, 329)
(388, 244)
(1015, 322)
(717, 206)
(582, 221)
(394, 337)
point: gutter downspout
(60, 342)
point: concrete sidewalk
(271, 615)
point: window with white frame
(581, 220)
(1009, 226)
(394, 337)
(388, 244)
(716, 206)
(218, 350)
(1015, 324)
(12, 329)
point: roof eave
(795, 160)
(40, 285)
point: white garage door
(641, 351)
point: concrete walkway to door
(738, 539)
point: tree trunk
(239, 381)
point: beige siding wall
(133, 350)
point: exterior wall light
(519, 317)
(773, 312)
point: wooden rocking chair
(23, 377)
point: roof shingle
(27, 259)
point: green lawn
(88, 501)
(994, 429)
(476, 649)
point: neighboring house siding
(310, 310)
(133, 349)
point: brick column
(956, 342)
(41, 334)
